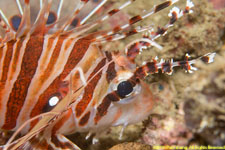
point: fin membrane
(39, 142)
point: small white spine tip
(95, 141)
(191, 11)
(144, 63)
(187, 55)
(174, 1)
(161, 61)
(211, 57)
(158, 46)
(194, 68)
(177, 11)
(190, 71)
(170, 73)
(190, 4)
(88, 136)
(166, 31)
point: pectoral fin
(55, 142)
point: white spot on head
(53, 101)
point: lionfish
(56, 79)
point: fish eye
(124, 89)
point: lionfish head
(127, 98)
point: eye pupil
(124, 88)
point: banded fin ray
(39, 26)
(25, 23)
(40, 142)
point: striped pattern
(40, 62)
(44, 63)
(110, 36)
(89, 89)
(29, 85)
(58, 142)
(92, 95)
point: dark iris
(15, 20)
(51, 18)
(124, 88)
